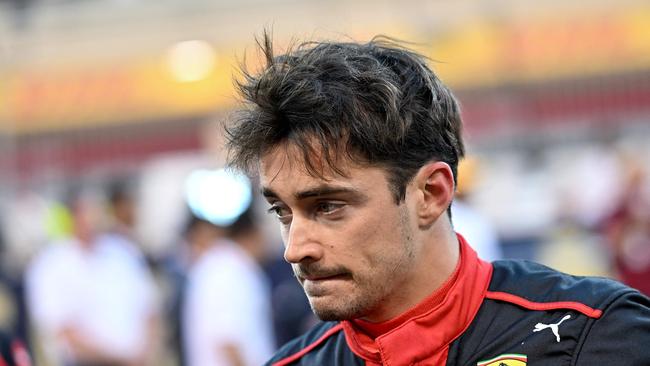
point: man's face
(350, 245)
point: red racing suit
(506, 313)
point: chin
(331, 315)
(332, 312)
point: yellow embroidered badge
(511, 359)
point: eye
(328, 208)
(281, 212)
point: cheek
(369, 239)
(380, 229)
(388, 248)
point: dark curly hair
(376, 103)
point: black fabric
(501, 327)
(621, 337)
(538, 283)
(334, 351)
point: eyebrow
(268, 193)
(315, 192)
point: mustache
(302, 271)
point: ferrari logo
(505, 360)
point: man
(357, 147)
(226, 311)
(91, 296)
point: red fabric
(531, 305)
(440, 319)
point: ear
(435, 185)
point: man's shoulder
(548, 316)
(607, 315)
(308, 342)
(537, 283)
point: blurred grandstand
(555, 98)
(93, 89)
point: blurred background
(96, 94)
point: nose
(301, 243)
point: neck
(440, 318)
(438, 255)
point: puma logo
(555, 328)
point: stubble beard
(352, 305)
(350, 311)
(371, 291)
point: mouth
(316, 273)
(322, 285)
(312, 278)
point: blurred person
(13, 321)
(628, 231)
(13, 351)
(357, 147)
(23, 231)
(121, 234)
(226, 315)
(468, 221)
(13, 314)
(122, 209)
(91, 296)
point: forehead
(288, 158)
(284, 168)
